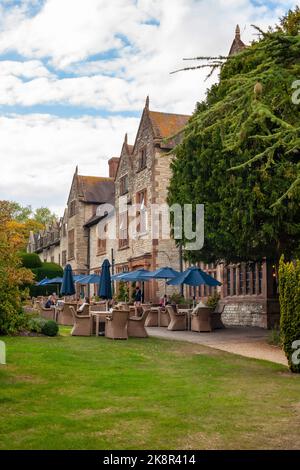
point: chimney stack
(113, 164)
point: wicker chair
(116, 325)
(178, 320)
(64, 316)
(82, 324)
(164, 318)
(100, 307)
(201, 320)
(85, 311)
(216, 318)
(152, 318)
(136, 326)
(47, 313)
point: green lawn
(93, 393)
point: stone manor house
(139, 177)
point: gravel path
(248, 342)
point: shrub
(49, 270)
(36, 324)
(213, 301)
(123, 294)
(289, 296)
(177, 299)
(50, 328)
(274, 337)
(31, 260)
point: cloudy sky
(74, 75)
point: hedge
(49, 270)
(31, 260)
(289, 295)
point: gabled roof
(167, 124)
(96, 189)
(126, 149)
(237, 45)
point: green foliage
(290, 23)
(44, 216)
(12, 275)
(289, 295)
(36, 324)
(274, 337)
(18, 212)
(49, 270)
(177, 299)
(12, 318)
(123, 294)
(240, 156)
(213, 300)
(31, 260)
(50, 328)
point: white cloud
(41, 151)
(67, 32)
(39, 154)
(28, 69)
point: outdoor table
(188, 313)
(100, 317)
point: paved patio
(249, 342)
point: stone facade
(67, 242)
(142, 180)
(140, 176)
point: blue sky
(74, 76)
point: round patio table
(100, 317)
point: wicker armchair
(116, 325)
(136, 326)
(82, 323)
(64, 316)
(47, 313)
(165, 318)
(178, 320)
(216, 318)
(85, 311)
(98, 307)
(152, 318)
(201, 320)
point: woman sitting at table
(86, 303)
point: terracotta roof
(95, 189)
(167, 124)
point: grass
(93, 393)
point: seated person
(165, 300)
(83, 305)
(50, 302)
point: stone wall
(248, 313)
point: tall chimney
(113, 164)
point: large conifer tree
(240, 155)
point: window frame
(71, 244)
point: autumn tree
(12, 275)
